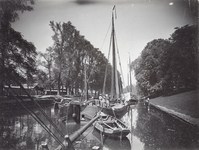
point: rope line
(104, 85)
(9, 144)
(40, 108)
(35, 117)
(106, 35)
(119, 61)
(93, 66)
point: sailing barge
(117, 108)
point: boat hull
(116, 112)
(69, 112)
(112, 143)
(112, 127)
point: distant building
(34, 89)
(55, 92)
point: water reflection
(23, 132)
(150, 129)
(158, 130)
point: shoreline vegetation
(184, 106)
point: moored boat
(112, 143)
(115, 106)
(111, 126)
(69, 110)
(118, 110)
(132, 101)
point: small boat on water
(111, 126)
(112, 143)
(132, 101)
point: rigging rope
(114, 8)
(35, 116)
(40, 108)
(106, 35)
(104, 85)
(120, 62)
(7, 142)
(92, 69)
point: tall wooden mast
(114, 81)
(130, 75)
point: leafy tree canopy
(72, 55)
(17, 54)
(168, 65)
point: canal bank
(184, 106)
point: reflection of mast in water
(131, 129)
(130, 80)
(132, 122)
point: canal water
(151, 129)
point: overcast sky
(138, 22)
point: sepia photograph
(99, 75)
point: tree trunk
(2, 75)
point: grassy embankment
(184, 105)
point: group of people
(104, 101)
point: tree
(17, 54)
(47, 63)
(149, 70)
(99, 65)
(182, 58)
(168, 65)
(70, 52)
(60, 44)
(42, 78)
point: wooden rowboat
(111, 126)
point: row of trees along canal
(168, 66)
(64, 61)
(162, 66)
(68, 58)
